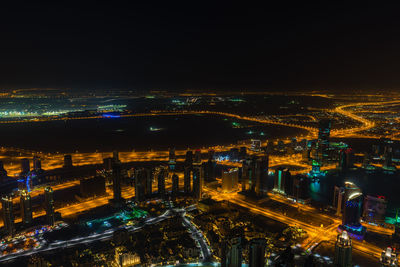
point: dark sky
(200, 45)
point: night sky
(200, 45)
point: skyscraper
(3, 172)
(172, 159)
(8, 214)
(161, 182)
(116, 172)
(352, 205)
(343, 248)
(197, 156)
(25, 166)
(187, 179)
(257, 252)
(49, 205)
(26, 208)
(149, 182)
(282, 180)
(68, 161)
(116, 156)
(261, 176)
(175, 185)
(198, 177)
(230, 179)
(324, 133)
(37, 163)
(140, 185)
(231, 255)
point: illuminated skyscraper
(161, 182)
(68, 161)
(49, 205)
(116, 172)
(198, 178)
(25, 166)
(352, 205)
(324, 133)
(140, 185)
(26, 208)
(343, 248)
(37, 163)
(197, 156)
(230, 179)
(389, 258)
(172, 159)
(3, 172)
(149, 182)
(231, 255)
(116, 156)
(257, 252)
(282, 180)
(346, 158)
(261, 176)
(187, 179)
(8, 214)
(188, 166)
(175, 185)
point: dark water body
(125, 134)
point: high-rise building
(140, 185)
(187, 179)
(175, 185)
(116, 156)
(25, 166)
(197, 156)
(231, 255)
(230, 179)
(324, 132)
(346, 158)
(374, 210)
(37, 163)
(198, 176)
(26, 208)
(149, 182)
(8, 214)
(257, 252)
(255, 145)
(68, 161)
(49, 205)
(343, 248)
(3, 172)
(172, 159)
(242, 152)
(389, 258)
(261, 176)
(188, 158)
(352, 205)
(116, 172)
(300, 189)
(282, 180)
(162, 173)
(247, 174)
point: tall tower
(49, 205)
(232, 253)
(161, 182)
(198, 178)
(257, 252)
(37, 163)
(323, 135)
(140, 185)
(172, 159)
(389, 258)
(343, 249)
(175, 185)
(8, 214)
(261, 176)
(188, 166)
(352, 205)
(25, 166)
(68, 161)
(26, 208)
(116, 171)
(3, 172)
